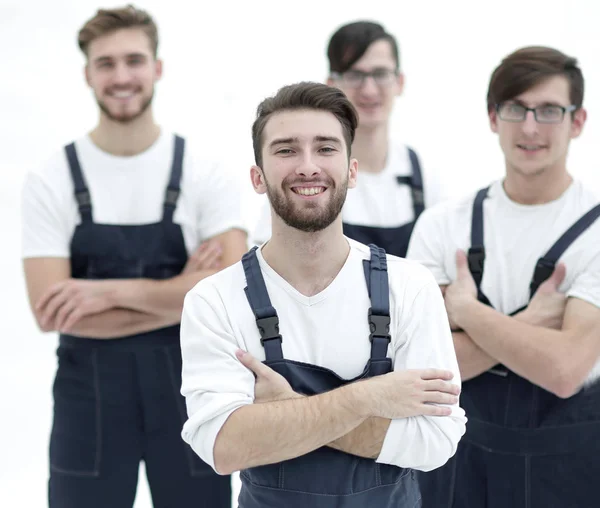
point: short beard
(285, 209)
(129, 118)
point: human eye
(353, 77)
(327, 149)
(550, 112)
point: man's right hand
(205, 257)
(547, 307)
(402, 394)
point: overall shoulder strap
(476, 254)
(415, 182)
(260, 303)
(174, 186)
(82, 194)
(546, 264)
(376, 276)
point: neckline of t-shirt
(89, 144)
(497, 190)
(308, 301)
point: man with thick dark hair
(317, 366)
(392, 188)
(519, 264)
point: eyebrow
(541, 105)
(103, 59)
(318, 139)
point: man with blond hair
(117, 227)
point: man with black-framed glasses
(392, 189)
(519, 266)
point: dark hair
(530, 66)
(109, 20)
(350, 42)
(305, 95)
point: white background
(221, 60)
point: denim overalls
(325, 478)
(524, 447)
(117, 401)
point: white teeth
(530, 147)
(309, 191)
(122, 95)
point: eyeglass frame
(339, 76)
(565, 110)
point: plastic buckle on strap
(269, 328)
(171, 197)
(83, 198)
(380, 326)
(543, 271)
(476, 258)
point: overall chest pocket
(325, 471)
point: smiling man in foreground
(360, 381)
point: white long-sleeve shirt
(329, 329)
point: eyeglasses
(356, 79)
(550, 113)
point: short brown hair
(351, 41)
(528, 67)
(109, 20)
(305, 95)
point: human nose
(308, 166)
(369, 86)
(530, 125)
(121, 74)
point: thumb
(462, 265)
(557, 277)
(248, 361)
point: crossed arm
(557, 360)
(554, 342)
(114, 308)
(235, 418)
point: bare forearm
(528, 350)
(271, 432)
(163, 298)
(116, 323)
(365, 440)
(472, 360)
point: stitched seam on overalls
(527, 481)
(510, 383)
(387, 485)
(98, 411)
(281, 475)
(96, 471)
(377, 474)
(452, 482)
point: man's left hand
(66, 302)
(270, 386)
(462, 292)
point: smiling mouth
(123, 94)
(531, 148)
(308, 191)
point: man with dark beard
(111, 233)
(274, 346)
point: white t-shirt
(516, 236)
(125, 190)
(330, 330)
(378, 200)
